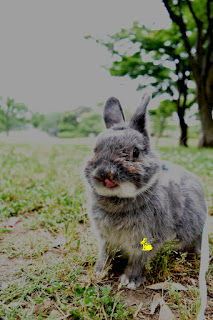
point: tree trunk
(183, 126)
(205, 107)
(206, 139)
(7, 123)
(183, 136)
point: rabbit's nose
(103, 174)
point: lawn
(47, 258)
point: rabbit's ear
(138, 120)
(113, 112)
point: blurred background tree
(50, 122)
(172, 61)
(37, 119)
(160, 115)
(79, 122)
(13, 115)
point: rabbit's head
(123, 164)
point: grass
(48, 258)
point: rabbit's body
(135, 195)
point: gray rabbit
(136, 196)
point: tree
(80, 123)
(159, 57)
(195, 22)
(51, 122)
(91, 122)
(13, 115)
(37, 119)
(160, 116)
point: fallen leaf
(138, 309)
(166, 313)
(166, 286)
(157, 300)
(14, 304)
(178, 286)
(55, 313)
(193, 281)
(12, 222)
(159, 286)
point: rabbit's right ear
(138, 120)
(113, 112)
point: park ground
(48, 251)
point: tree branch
(209, 32)
(208, 35)
(179, 21)
(199, 23)
(199, 46)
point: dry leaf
(14, 304)
(55, 313)
(12, 222)
(159, 286)
(157, 300)
(138, 309)
(178, 286)
(166, 285)
(193, 281)
(166, 313)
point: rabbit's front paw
(131, 283)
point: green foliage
(72, 125)
(68, 122)
(156, 55)
(90, 123)
(37, 119)
(80, 122)
(12, 115)
(160, 115)
(51, 121)
(165, 109)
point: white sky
(45, 61)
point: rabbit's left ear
(113, 112)
(138, 120)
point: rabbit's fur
(135, 195)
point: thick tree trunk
(205, 107)
(206, 139)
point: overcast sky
(45, 61)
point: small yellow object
(146, 246)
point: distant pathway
(38, 136)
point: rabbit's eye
(136, 153)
